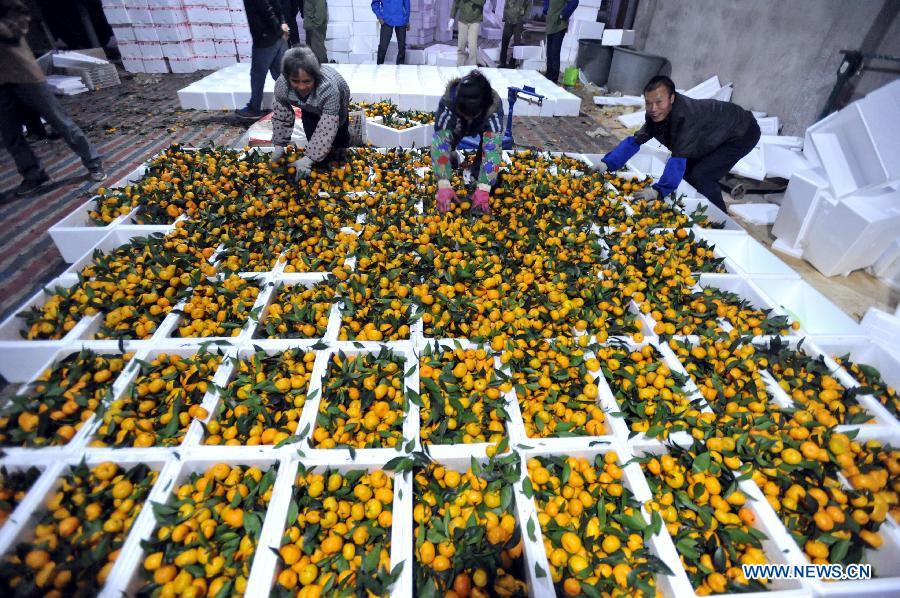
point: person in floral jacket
(469, 107)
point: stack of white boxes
(181, 36)
(582, 25)
(843, 212)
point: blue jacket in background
(393, 12)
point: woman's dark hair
(660, 81)
(474, 95)
(301, 59)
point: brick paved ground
(138, 118)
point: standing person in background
(291, 8)
(393, 16)
(22, 80)
(557, 13)
(515, 13)
(268, 30)
(470, 14)
(315, 22)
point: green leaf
(530, 527)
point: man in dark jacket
(557, 13)
(706, 138)
(268, 30)
(393, 16)
(22, 81)
(515, 13)
(315, 23)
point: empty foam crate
(805, 189)
(817, 315)
(747, 254)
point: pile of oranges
(80, 533)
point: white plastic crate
(750, 256)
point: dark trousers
(511, 31)
(39, 98)
(315, 39)
(554, 47)
(264, 61)
(704, 173)
(385, 39)
(341, 140)
(290, 8)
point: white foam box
(221, 16)
(528, 52)
(242, 33)
(130, 50)
(76, 234)
(363, 43)
(338, 31)
(150, 50)
(238, 17)
(361, 57)
(225, 48)
(783, 161)
(201, 31)
(341, 15)
(197, 14)
(817, 315)
(168, 16)
(414, 56)
(117, 16)
(243, 48)
(173, 33)
(140, 15)
(236, 4)
(533, 64)
(338, 44)
(746, 253)
(863, 351)
(133, 65)
(805, 190)
(145, 33)
(852, 233)
(203, 47)
(715, 215)
(380, 135)
(223, 32)
(588, 29)
(21, 359)
(177, 50)
(112, 4)
(364, 15)
(618, 37)
(123, 33)
(182, 65)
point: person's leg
(401, 44)
(259, 66)
(504, 44)
(705, 173)
(39, 97)
(474, 28)
(315, 39)
(461, 39)
(320, 40)
(554, 47)
(383, 40)
(27, 162)
(277, 55)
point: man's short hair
(301, 59)
(660, 81)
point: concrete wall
(782, 56)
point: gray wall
(781, 55)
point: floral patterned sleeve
(490, 158)
(440, 155)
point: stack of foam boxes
(179, 36)
(582, 25)
(843, 213)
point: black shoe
(247, 113)
(98, 175)
(34, 186)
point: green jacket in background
(467, 11)
(555, 20)
(315, 14)
(516, 11)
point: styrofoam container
(125, 578)
(659, 544)
(861, 351)
(805, 190)
(21, 359)
(715, 215)
(750, 256)
(380, 135)
(20, 514)
(115, 238)
(76, 234)
(51, 481)
(266, 567)
(773, 546)
(409, 425)
(817, 315)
